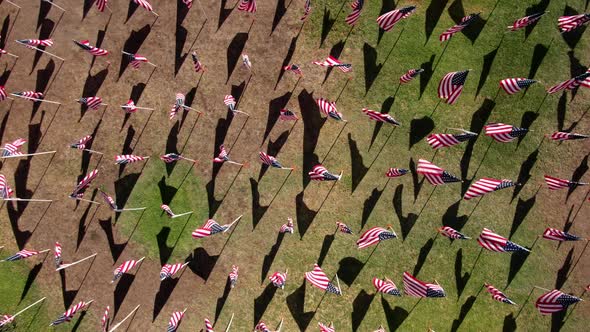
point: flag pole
(229, 324)
(206, 18)
(136, 107)
(130, 209)
(280, 325)
(92, 151)
(338, 282)
(65, 266)
(237, 111)
(36, 99)
(27, 308)
(26, 200)
(191, 160)
(190, 108)
(233, 162)
(14, 4)
(53, 4)
(181, 215)
(541, 288)
(27, 155)
(124, 319)
(7, 53)
(233, 222)
(40, 50)
(85, 200)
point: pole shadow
(406, 222)
(360, 307)
(424, 251)
(370, 204)
(262, 302)
(296, 304)
(464, 311)
(358, 168)
(433, 14)
(270, 257)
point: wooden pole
(191, 160)
(233, 222)
(130, 209)
(181, 215)
(51, 3)
(26, 200)
(541, 288)
(233, 162)
(17, 6)
(229, 324)
(27, 155)
(136, 107)
(40, 50)
(7, 53)
(36, 99)
(124, 319)
(65, 266)
(237, 111)
(338, 282)
(27, 308)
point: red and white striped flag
(357, 8)
(278, 279)
(6, 319)
(124, 268)
(559, 235)
(562, 136)
(31, 95)
(434, 174)
(452, 233)
(3, 94)
(109, 200)
(319, 279)
(81, 144)
(128, 158)
(504, 133)
(375, 235)
(486, 185)
(197, 65)
(333, 62)
(169, 270)
(233, 276)
(144, 4)
(5, 190)
(69, 314)
(129, 107)
(287, 115)
(230, 102)
(326, 328)
(569, 23)
(261, 327)
(451, 86)
(289, 227)
(556, 183)
(247, 6)
(12, 148)
(36, 42)
(386, 287)
(188, 3)
(57, 254)
(526, 21)
(23, 254)
(174, 321)
(497, 243)
(418, 288)
(211, 227)
(381, 117)
(513, 85)
(178, 105)
(555, 301)
(294, 68)
(92, 103)
(306, 10)
(389, 19)
(104, 321)
(83, 184)
(208, 326)
(135, 60)
(498, 295)
(246, 61)
(572, 83)
(410, 75)
(343, 228)
(85, 45)
(396, 172)
(222, 156)
(168, 210)
(437, 141)
(465, 21)
(320, 173)
(329, 108)
(101, 5)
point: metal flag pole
(229, 324)
(27, 155)
(26, 200)
(27, 308)
(181, 215)
(233, 222)
(280, 325)
(40, 50)
(53, 4)
(124, 319)
(65, 266)
(36, 99)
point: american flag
(3, 94)
(197, 65)
(246, 61)
(410, 75)
(318, 278)
(269, 160)
(437, 141)
(289, 227)
(494, 242)
(208, 326)
(569, 23)
(375, 235)
(557, 183)
(57, 254)
(178, 104)
(144, 4)
(135, 60)
(353, 17)
(434, 174)
(230, 102)
(69, 314)
(320, 173)
(329, 109)
(6, 319)
(175, 320)
(452, 233)
(5, 190)
(92, 103)
(36, 42)
(84, 183)
(555, 301)
(188, 3)
(451, 86)
(130, 107)
(21, 255)
(29, 95)
(343, 228)
(306, 10)
(386, 287)
(498, 295)
(288, 115)
(294, 68)
(562, 136)
(559, 235)
(278, 279)
(396, 172)
(382, 117)
(572, 83)
(124, 268)
(486, 185)
(247, 6)
(169, 270)
(85, 45)
(333, 62)
(389, 19)
(109, 200)
(12, 149)
(81, 144)
(127, 159)
(104, 321)
(326, 328)
(513, 85)
(465, 21)
(380, 329)
(101, 5)
(211, 227)
(167, 210)
(504, 133)
(525, 21)
(222, 156)
(261, 327)
(170, 157)
(233, 276)
(418, 288)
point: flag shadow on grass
(396, 316)
(522, 210)
(517, 260)
(573, 37)
(121, 290)
(358, 168)
(524, 173)
(234, 51)
(274, 108)
(270, 257)
(91, 87)
(262, 302)
(360, 307)
(577, 175)
(21, 236)
(167, 286)
(349, 268)
(33, 273)
(372, 69)
(328, 23)
(370, 204)
(279, 13)
(419, 129)
(115, 248)
(473, 30)
(43, 77)
(427, 73)
(70, 295)
(44, 33)
(82, 225)
(335, 51)
(563, 272)
(180, 36)
(258, 210)
(424, 251)
(221, 300)
(534, 9)
(132, 45)
(201, 263)
(124, 186)
(286, 62)
(465, 308)
(223, 13)
(461, 279)
(326, 245)
(433, 14)
(478, 120)
(86, 156)
(312, 124)
(273, 149)
(305, 215)
(296, 304)
(385, 109)
(406, 222)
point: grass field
(364, 197)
